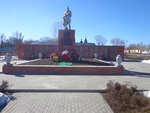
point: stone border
(62, 70)
(60, 90)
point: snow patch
(146, 93)
(146, 61)
(2, 58)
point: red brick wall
(106, 52)
(20, 51)
(27, 51)
(62, 70)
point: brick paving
(63, 102)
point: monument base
(66, 40)
(60, 70)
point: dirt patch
(83, 62)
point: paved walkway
(73, 81)
(141, 78)
(57, 103)
(70, 102)
(137, 67)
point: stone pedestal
(66, 40)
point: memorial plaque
(35, 47)
(81, 51)
(56, 47)
(66, 33)
(96, 50)
(36, 52)
(46, 52)
(106, 53)
(77, 49)
(28, 51)
(91, 51)
(101, 55)
(66, 42)
(46, 48)
(41, 48)
(111, 52)
(86, 52)
(116, 51)
(28, 48)
(51, 50)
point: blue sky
(126, 19)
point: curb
(59, 90)
(56, 90)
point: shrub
(126, 99)
(4, 86)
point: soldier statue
(67, 18)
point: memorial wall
(28, 51)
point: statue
(67, 18)
(8, 58)
(119, 60)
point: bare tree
(55, 28)
(29, 41)
(132, 46)
(53, 40)
(46, 39)
(100, 40)
(2, 39)
(117, 42)
(16, 38)
(122, 43)
(138, 46)
(143, 47)
(148, 46)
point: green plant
(15, 62)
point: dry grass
(4, 86)
(137, 56)
(126, 99)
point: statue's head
(67, 8)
